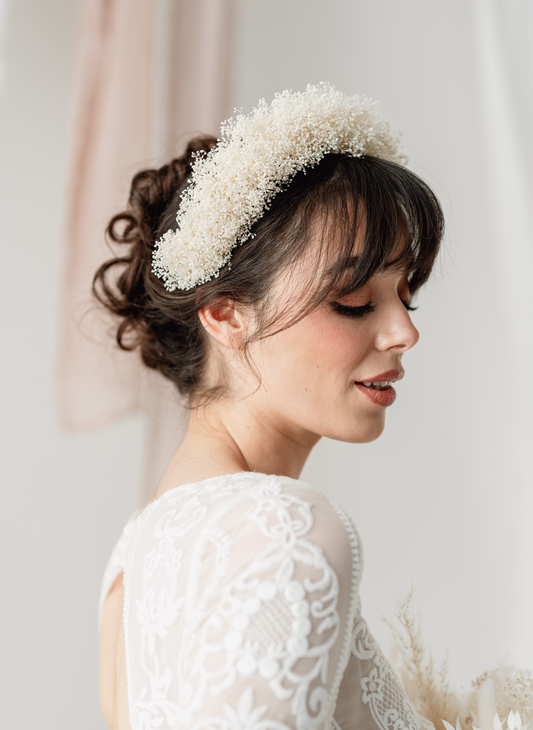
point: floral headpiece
(257, 156)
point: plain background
(435, 499)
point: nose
(396, 330)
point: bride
(269, 275)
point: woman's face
(317, 374)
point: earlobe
(224, 323)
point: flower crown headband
(258, 154)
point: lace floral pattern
(275, 620)
(241, 612)
(382, 690)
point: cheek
(342, 343)
(336, 342)
(319, 350)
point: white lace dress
(241, 612)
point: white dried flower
(514, 722)
(258, 155)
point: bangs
(310, 231)
(402, 220)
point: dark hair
(327, 203)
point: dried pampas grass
(502, 692)
(426, 683)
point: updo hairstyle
(327, 203)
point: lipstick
(381, 397)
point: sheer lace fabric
(241, 612)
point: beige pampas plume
(426, 683)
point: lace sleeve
(371, 696)
(239, 608)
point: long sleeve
(241, 612)
(239, 603)
(371, 697)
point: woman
(269, 276)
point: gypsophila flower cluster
(257, 156)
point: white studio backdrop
(444, 499)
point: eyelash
(347, 311)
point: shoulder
(304, 496)
(248, 494)
(235, 578)
(332, 528)
(250, 513)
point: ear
(226, 324)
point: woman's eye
(348, 311)
(408, 306)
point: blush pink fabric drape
(111, 138)
(149, 75)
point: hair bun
(124, 284)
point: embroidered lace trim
(382, 690)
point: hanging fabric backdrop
(150, 75)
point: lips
(378, 388)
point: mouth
(378, 385)
(378, 389)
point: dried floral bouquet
(504, 693)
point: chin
(363, 434)
(371, 436)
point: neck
(226, 438)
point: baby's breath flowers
(257, 156)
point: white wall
(432, 498)
(64, 498)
